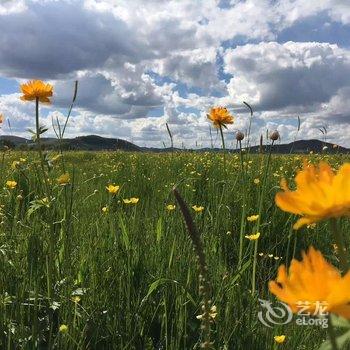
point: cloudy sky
(141, 64)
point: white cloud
(294, 10)
(196, 68)
(12, 6)
(124, 54)
(277, 76)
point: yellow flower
(253, 218)
(63, 328)
(279, 338)
(1, 118)
(112, 189)
(220, 116)
(104, 210)
(253, 237)
(11, 184)
(197, 209)
(320, 194)
(336, 248)
(256, 181)
(170, 207)
(55, 158)
(76, 299)
(15, 164)
(64, 179)
(36, 89)
(45, 201)
(313, 281)
(132, 200)
(311, 226)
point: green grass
(133, 267)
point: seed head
(274, 136)
(239, 136)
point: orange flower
(1, 118)
(220, 116)
(315, 283)
(320, 194)
(36, 89)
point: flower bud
(274, 136)
(239, 136)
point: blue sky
(141, 64)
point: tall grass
(126, 277)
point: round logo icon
(273, 315)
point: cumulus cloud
(132, 94)
(294, 10)
(338, 107)
(50, 39)
(196, 68)
(177, 58)
(12, 6)
(277, 76)
(54, 38)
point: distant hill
(304, 146)
(16, 140)
(87, 143)
(301, 146)
(94, 143)
(99, 143)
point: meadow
(88, 266)
(179, 250)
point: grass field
(82, 269)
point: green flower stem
(2, 167)
(223, 145)
(339, 239)
(331, 333)
(257, 227)
(51, 246)
(242, 228)
(38, 141)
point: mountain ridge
(100, 143)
